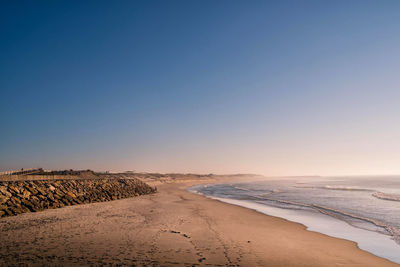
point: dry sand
(170, 228)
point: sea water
(362, 209)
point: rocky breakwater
(29, 196)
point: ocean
(363, 209)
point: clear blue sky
(271, 87)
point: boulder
(4, 191)
(72, 195)
(26, 194)
(13, 188)
(3, 199)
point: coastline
(374, 242)
(173, 227)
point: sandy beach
(170, 228)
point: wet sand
(170, 228)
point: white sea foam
(241, 188)
(385, 196)
(336, 187)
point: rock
(4, 191)
(13, 188)
(66, 201)
(50, 196)
(15, 200)
(72, 195)
(3, 199)
(52, 188)
(42, 197)
(28, 205)
(17, 209)
(32, 190)
(58, 192)
(26, 194)
(8, 212)
(41, 190)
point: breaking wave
(338, 187)
(385, 196)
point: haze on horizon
(267, 87)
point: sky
(267, 87)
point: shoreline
(305, 228)
(173, 227)
(317, 222)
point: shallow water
(362, 209)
